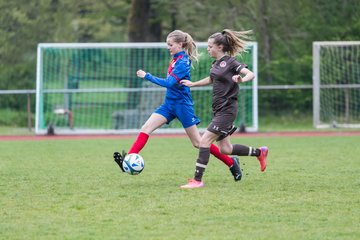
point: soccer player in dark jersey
(178, 102)
(225, 75)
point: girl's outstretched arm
(202, 82)
(168, 82)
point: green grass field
(72, 189)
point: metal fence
(273, 100)
(28, 106)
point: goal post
(92, 88)
(336, 84)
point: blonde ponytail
(187, 42)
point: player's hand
(140, 73)
(237, 78)
(187, 83)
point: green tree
(284, 30)
(144, 26)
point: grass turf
(72, 189)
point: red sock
(214, 150)
(139, 143)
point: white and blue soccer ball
(133, 164)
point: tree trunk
(154, 27)
(143, 27)
(264, 26)
(143, 23)
(138, 18)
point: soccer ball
(133, 164)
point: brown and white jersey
(225, 90)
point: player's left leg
(187, 117)
(154, 122)
(194, 135)
(201, 163)
(119, 158)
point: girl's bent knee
(225, 151)
(196, 145)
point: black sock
(201, 163)
(242, 150)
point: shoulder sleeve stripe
(176, 77)
(241, 66)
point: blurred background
(284, 31)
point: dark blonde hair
(233, 42)
(187, 42)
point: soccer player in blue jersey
(225, 75)
(178, 102)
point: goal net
(93, 88)
(336, 84)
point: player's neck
(220, 56)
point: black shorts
(222, 125)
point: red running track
(116, 136)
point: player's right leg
(226, 147)
(260, 153)
(235, 169)
(262, 158)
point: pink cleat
(193, 184)
(262, 157)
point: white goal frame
(318, 86)
(40, 91)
